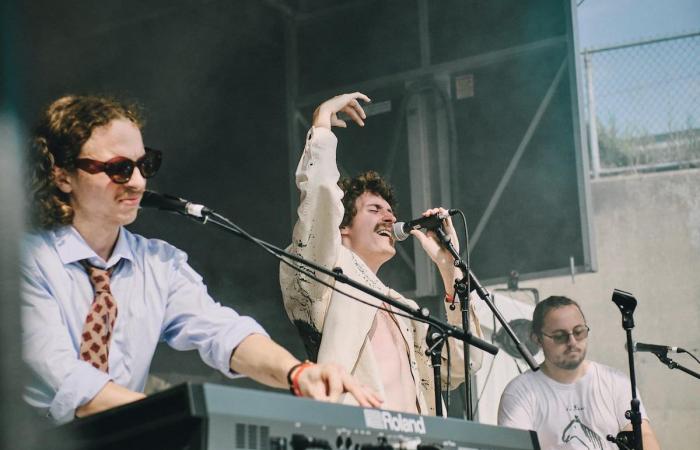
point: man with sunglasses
(97, 298)
(571, 402)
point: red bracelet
(294, 379)
(451, 300)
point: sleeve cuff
(81, 386)
(321, 136)
(230, 341)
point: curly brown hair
(64, 127)
(369, 181)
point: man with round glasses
(571, 402)
(96, 299)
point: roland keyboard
(216, 417)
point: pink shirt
(391, 351)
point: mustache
(131, 192)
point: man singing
(571, 402)
(97, 299)
(348, 225)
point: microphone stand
(462, 294)
(435, 340)
(420, 314)
(469, 282)
(627, 303)
(663, 357)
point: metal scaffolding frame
(428, 135)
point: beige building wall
(647, 237)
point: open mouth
(385, 233)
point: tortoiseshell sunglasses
(121, 168)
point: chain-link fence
(643, 105)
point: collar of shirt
(71, 247)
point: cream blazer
(333, 326)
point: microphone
(165, 202)
(653, 348)
(401, 230)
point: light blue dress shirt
(159, 297)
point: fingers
(355, 111)
(358, 108)
(447, 221)
(327, 382)
(334, 383)
(375, 400)
(338, 122)
(312, 383)
(432, 211)
(423, 238)
(365, 397)
(433, 245)
(326, 114)
(436, 211)
(361, 96)
(347, 98)
(441, 212)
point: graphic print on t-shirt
(577, 431)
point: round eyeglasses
(562, 337)
(121, 168)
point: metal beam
(457, 65)
(642, 42)
(590, 258)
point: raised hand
(326, 115)
(437, 253)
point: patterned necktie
(99, 323)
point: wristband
(293, 381)
(451, 300)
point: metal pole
(592, 122)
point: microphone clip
(626, 303)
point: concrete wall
(648, 243)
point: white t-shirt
(569, 416)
